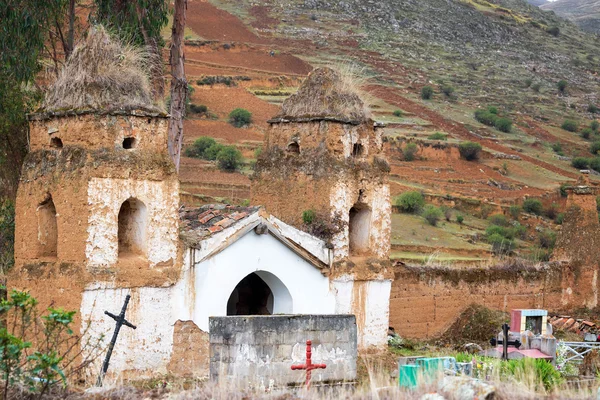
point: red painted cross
(309, 366)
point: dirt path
(390, 96)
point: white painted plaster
(105, 197)
(377, 314)
(147, 349)
(359, 227)
(308, 242)
(343, 287)
(216, 277)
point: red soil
(262, 20)
(228, 134)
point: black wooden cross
(120, 319)
(505, 342)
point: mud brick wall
(424, 301)
(260, 350)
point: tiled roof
(198, 223)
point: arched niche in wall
(133, 220)
(260, 293)
(359, 225)
(47, 236)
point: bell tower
(323, 168)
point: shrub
(493, 110)
(500, 244)
(469, 150)
(198, 109)
(592, 108)
(485, 117)
(427, 93)
(552, 211)
(398, 113)
(7, 235)
(533, 206)
(212, 152)
(497, 230)
(536, 87)
(586, 133)
(519, 231)
(563, 190)
(560, 218)
(240, 117)
(554, 31)
(546, 239)
(485, 210)
(229, 158)
(409, 152)
(528, 82)
(595, 147)
(569, 125)
(308, 216)
(503, 124)
(594, 125)
(447, 90)
(595, 164)
(561, 85)
(199, 147)
(411, 202)
(460, 219)
(557, 148)
(432, 214)
(498, 219)
(438, 136)
(515, 211)
(448, 214)
(580, 162)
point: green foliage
(309, 216)
(438, 136)
(258, 151)
(595, 147)
(448, 90)
(557, 147)
(563, 190)
(514, 211)
(594, 125)
(536, 371)
(547, 238)
(536, 87)
(554, 31)
(485, 117)
(528, 82)
(229, 158)
(493, 110)
(240, 117)
(595, 163)
(552, 211)
(411, 202)
(122, 18)
(569, 125)
(498, 219)
(7, 235)
(211, 153)
(580, 162)
(409, 152)
(561, 85)
(426, 92)
(499, 243)
(592, 108)
(586, 133)
(533, 206)
(469, 150)
(519, 231)
(460, 219)
(198, 108)
(432, 214)
(503, 124)
(485, 211)
(499, 230)
(560, 218)
(199, 147)
(398, 113)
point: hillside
(503, 56)
(585, 13)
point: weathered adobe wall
(338, 138)
(426, 301)
(259, 351)
(93, 131)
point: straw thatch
(326, 94)
(102, 74)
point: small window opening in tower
(132, 228)
(56, 143)
(252, 296)
(129, 143)
(357, 150)
(47, 228)
(359, 229)
(293, 147)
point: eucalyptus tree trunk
(178, 83)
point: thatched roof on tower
(102, 74)
(325, 94)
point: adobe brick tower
(324, 153)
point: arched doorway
(47, 228)
(359, 225)
(259, 293)
(132, 227)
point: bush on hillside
(595, 147)
(485, 117)
(240, 117)
(500, 244)
(560, 218)
(569, 125)
(547, 238)
(536, 87)
(410, 202)
(515, 211)
(229, 158)
(427, 93)
(592, 108)
(594, 125)
(554, 31)
(561, 85)
(432, 214)
(469, 150)
(438, 136)
(460, 219)
(448, 90)
(503, 124)
(595, 163)
(409, 152)
(498, 219)
(198, 108)
(552, 211)
(212, 152)
(580, 162)
(199, 147)
(398, 113)
(586, 133)
(533, 206)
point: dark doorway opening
(357, 150)
(56, 143)
(129, 143)
(252, 296)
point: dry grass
(102, 74)
(328, 93)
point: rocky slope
(585, 13)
